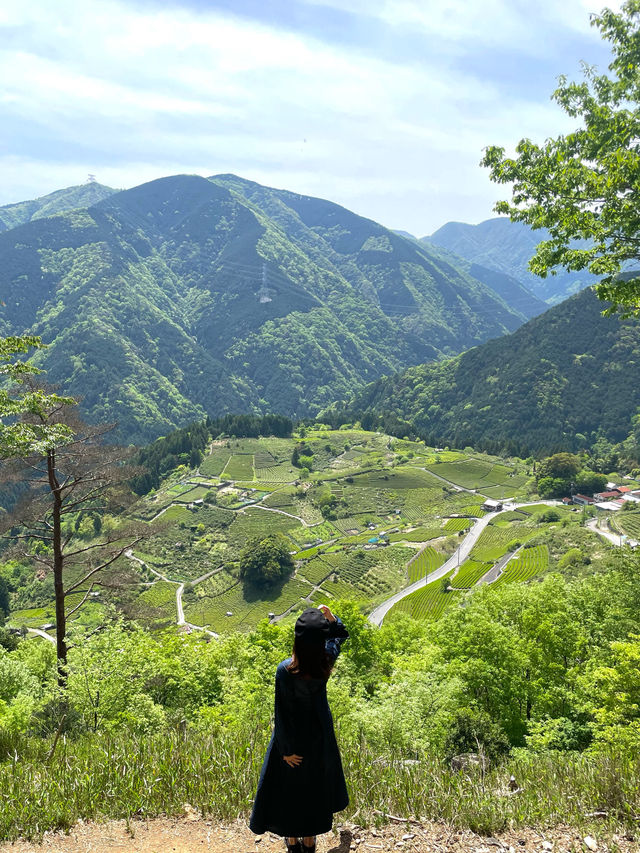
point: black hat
(312, 626)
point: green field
(490, 478)
(426, 603)
(419, 534)
(193, 494)
(425, 562)
(529, 562)
(213, 465)
(239, 467)
(161, 594)
(175, 514)
(454, 525)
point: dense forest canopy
(566, 380)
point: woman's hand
(327, 613)
(292, 760)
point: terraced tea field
(455, 525)
(490, 478)
(426, 603)
(494, 540)
(628, 523)
(424, 563)
(345, 523)
(528, 563)
(470, 573)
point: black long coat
(300, 801)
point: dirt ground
(192, 834)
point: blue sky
(383, 106)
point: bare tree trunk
(58, 561)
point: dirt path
(282, 512)
(191, 834)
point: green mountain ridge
(506, 247)
(186, 295)
(70, 198)
(556, 383)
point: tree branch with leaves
(65, 472)
(584, 187)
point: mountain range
(506, 247)
(187, 295)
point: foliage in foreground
(104, 776)
(548, 670)
(583, 186)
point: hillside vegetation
(69, 198)
(507, 247)
(563, 381)
(185, 296)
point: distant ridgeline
(566, 380)
(189, 295)
(505, 247)
(186, 446)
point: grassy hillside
(69, 198)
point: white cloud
(133, 94)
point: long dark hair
(310, 660)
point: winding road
(456, 559)
(615, 538)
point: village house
(492, 506)
(607, 496)
(583, 500)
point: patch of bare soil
(192, 834)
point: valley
(376, 520)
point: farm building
(492, 506)
(583, 500)
(607, 496)
(608, 506)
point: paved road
(457, 558)
(614, 538)
(42, 633)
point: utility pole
(263, 293)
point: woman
(302, 784)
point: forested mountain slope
(506, 247)
(553, 384)
(426, 293)
(69, 198)
(509, 288)
(182, 296)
